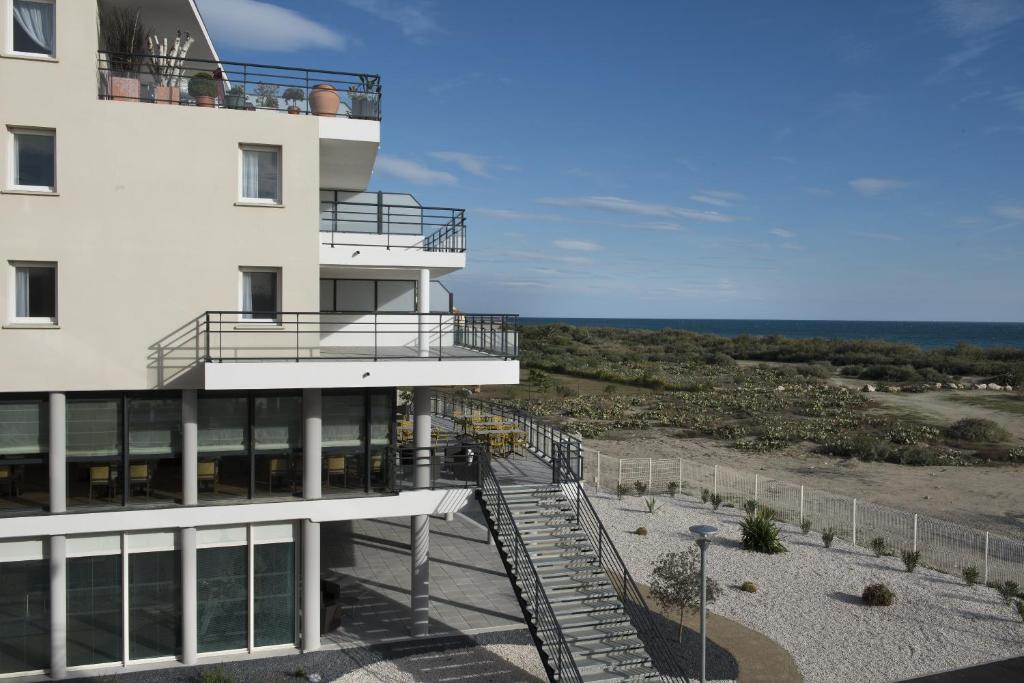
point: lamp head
(703, 531)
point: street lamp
(703, 532)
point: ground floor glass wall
(94, 610)
(154, 604)
(222, 591)
(24, 615)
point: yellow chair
(140, 475)
(278, 467)
(206, 472)
(100, 475)
(335, 465)
(7, 480)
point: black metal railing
(441, 229)
(543, 623)
(239, 336)
(237, 85)
(446, 465)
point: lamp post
(703, 532)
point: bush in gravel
(827, 536)
(672, 487)
(976, 430)
(705, 495)
(217, 675)
(1019, 604)
(749, 506)
(878, 546)
(652, 505)
(805, 527)
(748, 587)
(641, 531)
(716, 500)
(1007, 590)
(911, 559)
(877, 595)
(640, 488)
(759, 533)
(970, 575)
(621, 490)
(675, 583)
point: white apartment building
(206, 319)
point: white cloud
(716, 197)
(1013, 213)
(577, 245)
(412, 18)
(972, 17)
(250, 24)
(622, 205)
(1014, 98)
(782, 232)
(513, 215)
(882, 236)
(413, 172)
(470, 163)
(870, 187)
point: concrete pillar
(310, 585)
(421, 436)
(58, 607)
(419, 525)
(190, 447)
(58, 453)
(189, 615)
(423, 308)
(312, 433)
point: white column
(310, 585)
(423, 308)
(189, 616)
(58, 453)
(190, 447)
(58, 607)
(312, 434)
(419, 525)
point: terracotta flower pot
(204, 100)
(167, 94)
(294, 109)
(124, 88)
(324, 100)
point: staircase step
(558, 557)
(603, 661)
(579, 567)
(579, 580)
(590, 607)
(606, 619)
(635, 672)
(553, 528)
(600, 631)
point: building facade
(206, 321)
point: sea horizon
(924, 334)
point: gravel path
(808, 599)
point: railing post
(915, 533)
(298, 327)
(380, 213)
(207, 316)
(986, 557)
(855, 521)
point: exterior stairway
(584, 618)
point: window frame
(28, 321)
(12, 167)
(276, 319)
(278, 199)
(9, 44)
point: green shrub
(861, 446)
(293, 95)
(827, 536)
(716, 500)
(877, 595)
(878, 546)
(652, 505)
(1008, 590)
(748, 587)
(805, 526)
(911, 558)
(970, 575)
(672, 487)
(1019, 604)
(621, 490)
(975, 430)
(641, 531)
(759, 533)
(890, 373)
(217, 675)
(705, 495)
(640, 487)
(201, 84)
(750, 506)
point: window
(274, 594)
(24, 613)
(24, 466)
(33, 29)
(35, 293)
(261, 175)
(94, 609)
(32, 160)
(154, 604)
(368, 296)
(260, 295)
(222, 598)
(396, 296)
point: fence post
(915, 533)
(855, 521)
(650, 475)
(620, 471)
(680, 482)
(986, 557)
(801, 503)
(715, 490)
(755, 488)
(597, 479)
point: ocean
(928, 335)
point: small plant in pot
(293, 96)
(202, 87)
(124, 39)
(235, 97)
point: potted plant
(324, 99)
(235, 97)
(123, 38)
(266, 95)
(202, 88)
(293, 96)
(365, 98)
(166, 64)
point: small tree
(705, 495)
(716, 500)
(672, 487)
(640, 487)
(621, 490)
(675, 583)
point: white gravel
(808, 599)
(490, 662)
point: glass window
(396, 296)
(35, 293)
(154, 448)
(223, 598)
(25, 616)
(94, 610)
(381, 419)
(34, 166)
(24, 465)
(355, 296)
(343, 421)
(261, 174)
(259, 295)
(274, 593)
(327, 295)
(223, 468)
(93, 450)
(33, 30)
(154, 604)
(278, 443)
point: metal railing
(546, 632)
(247, 336)
(443, 229)
(237, 85)
(450, 465)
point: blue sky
(692, 159)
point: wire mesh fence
(945, 546)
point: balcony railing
(442, 229)
(451, 465)
(237, 85)
(241, 336)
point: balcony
(389, 230)
(353, 349)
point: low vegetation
(673, 488)
(1008, 591)
(974, 429)
(827, 536)
(621, 490)
(760, 533)
(641, 531)
(911, 558)
(652, 505)
(877, 595)
(878, 546)
(748, 587)
(970, 575)
(805, 527)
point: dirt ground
(987, 498)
